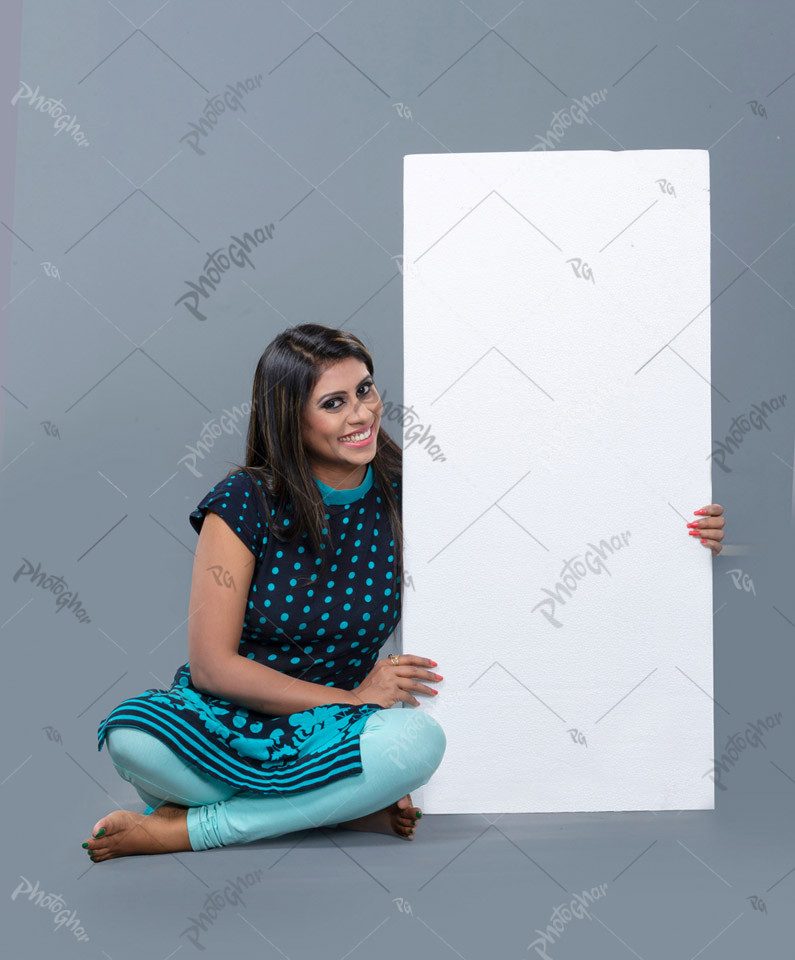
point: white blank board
(557, 382)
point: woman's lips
(360, 443)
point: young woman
(279, 721)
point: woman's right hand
(387, 682)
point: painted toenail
(85, 844)
(419, 813)
(100, 833)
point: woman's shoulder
(253, 485)
(240, 480)
(240, 494)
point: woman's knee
(432, 739)
(133, 749)
(152, 766)
(412, 739)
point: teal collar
(333, 496)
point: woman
(279, 721)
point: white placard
(557, 366)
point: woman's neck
(345, 494)
(346, 478)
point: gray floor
(669, 885)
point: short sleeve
(238, 503)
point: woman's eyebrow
(333, 392)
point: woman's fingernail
(439, 676)
(435, 691)
(694, 533)
(434, 663)
(694, 523)
(703, 541)
(700, 513)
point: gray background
(107, 384)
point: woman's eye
(364, 386)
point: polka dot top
(326, 631)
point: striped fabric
(297, 752)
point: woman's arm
(222, 570)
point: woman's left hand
(709, 528)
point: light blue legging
(400, 750)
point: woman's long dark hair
(285, 377)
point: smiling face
(344, 401)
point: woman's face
(344, 401)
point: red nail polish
(700, 513)
(694, 523)
(703, 541)
(694, 533)
(434, 663)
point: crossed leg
(193, 811)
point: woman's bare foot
(165, 830)
(399, 817)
